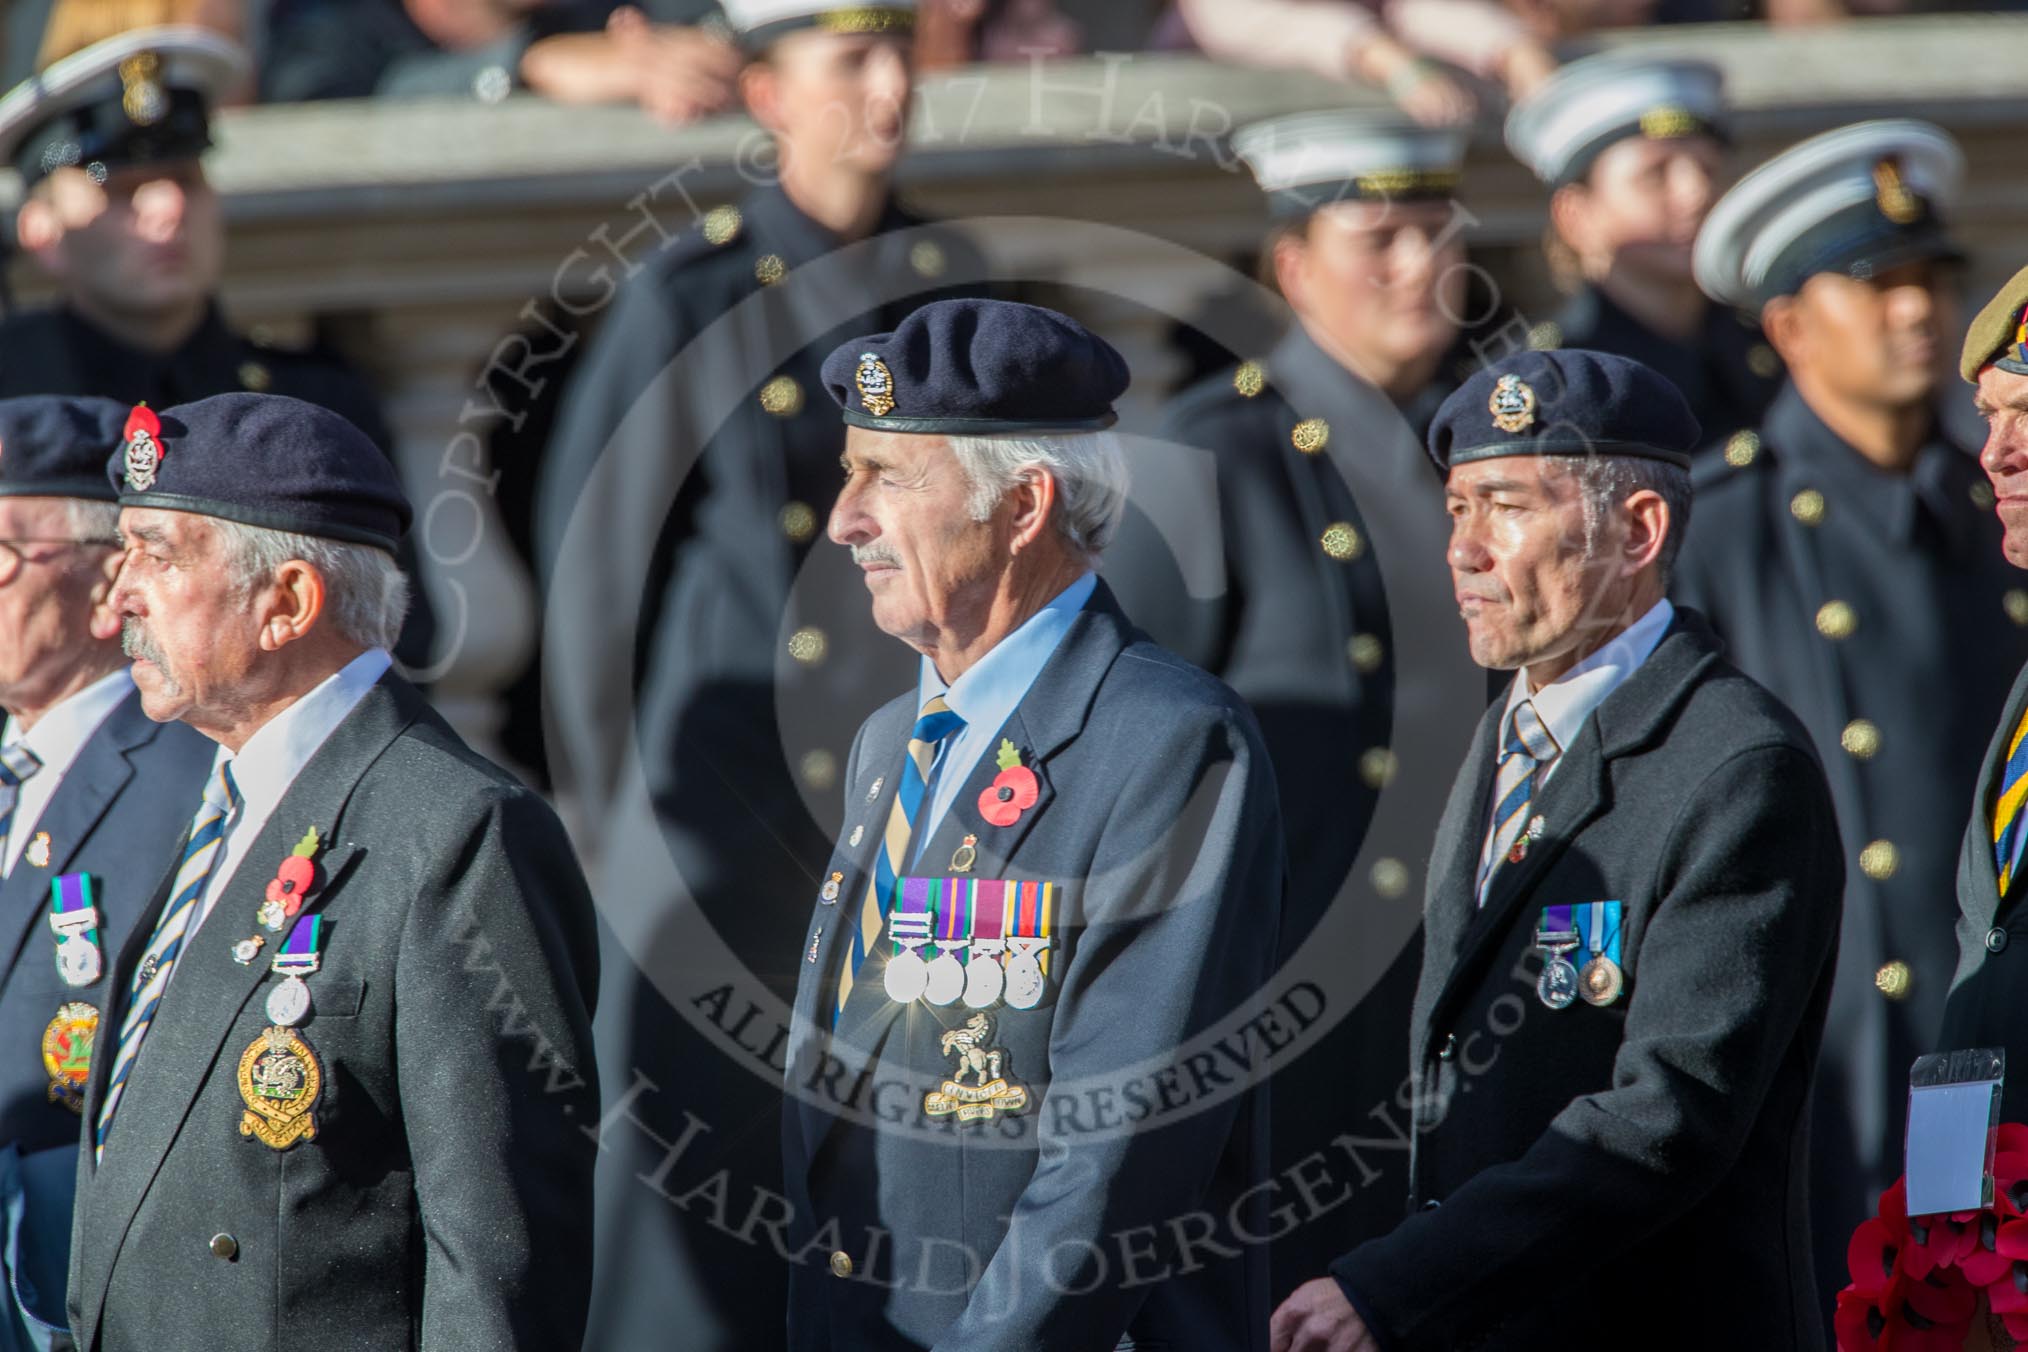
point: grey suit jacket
(444, 1201)
(1157, 823)
(1988, 1004)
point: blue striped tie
(1528, 748)
(151, 978)
(938, 721)
(17, 763)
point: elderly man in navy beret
(1060, 865)
(1631, 912)
(348, 1062)
(92, 799)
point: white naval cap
(759, 22)
(1311, 160)
(1858, 200)
(144, 96)
(1559, 130)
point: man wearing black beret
(341, 1098)
(91, 801)
(1632, 906)
(1061, 864)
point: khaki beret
(2000, 334)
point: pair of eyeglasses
(11, 557)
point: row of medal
(1593, 928)
(992, 938)
(80, 961)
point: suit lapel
(1449, 909)
(209, 988)
(90, 785)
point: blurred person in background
(1847, 552)
(1632, 150)
(108, 144)
(657, 55)
(36, 33)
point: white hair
(91, 521)
(365, 591)
(1607, 481)
(1090, 470)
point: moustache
(134, 642)
(864, 554)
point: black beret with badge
(54, 446)
(1561, 128)
(262, 460)
(1312, 160)
(1860, 201)
(759, 22)
(978, 368)
(1564, 402)
(144, 97)
(1999, 335)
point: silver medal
(984, 980)
(78, 961)
(289, 1003)
(1025, 981)
(1558, 983)
(906, 978)
(945, 979)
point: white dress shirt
(272, 758)
(56, 739)
(1565, 703)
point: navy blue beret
(978, 368)
(54, 446)
(1566, 402)
(262, 460)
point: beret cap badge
(144, 448)
(876, 385)
(1897, 203)
(1512, 404)
(141, 94)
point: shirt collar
(61, 733)
(991, 688)
(272, 758)
(1565, 703)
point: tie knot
(937, 722)
(17, 763)
(1526, 735)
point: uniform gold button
(1741, 448)
(1310, 435)
(1341, 541)
(799, 523)
(808, 646)
(927, 260)
(1377, 767)
(1807, 507)
(255, 377)
(2016, 603)
(1367, 652)
(1250, 379)
(782, 397)
(721, 224)
(768, 269)
(1879, 860)
(841, 1264)
(1861, 739)
(1836, 620)
(224, 1246)
(1893, 979)
(820, 770)
(1545, 337)
(1762, 361)
(1390, 878)
(1982, 496)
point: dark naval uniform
(1728, 373)
(754, 654)
(1857, 595)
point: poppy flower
(1012, 792)
(1871, 1257)
(291, 883)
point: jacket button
(224, 1246)
(1996, 940)
(841, 1264)
(1450, 1047)
(1893, 979)
(1431, 1205)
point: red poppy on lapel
(295, 876)
(1013, 791)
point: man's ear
(1034, 501)
(297, 607)
(1567, 217)
(760, 90)
(1649, 522)
(40, 233)
(1291, 259)
(104, 622)
(1781, 319)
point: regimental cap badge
(1896, 202)
(144, 448)
(1667, 121)
(1512, 404)
(141, 94)
(876, 384)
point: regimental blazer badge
(876, 384)
(67, 1053)
(280, 1080)
(990, 1092)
